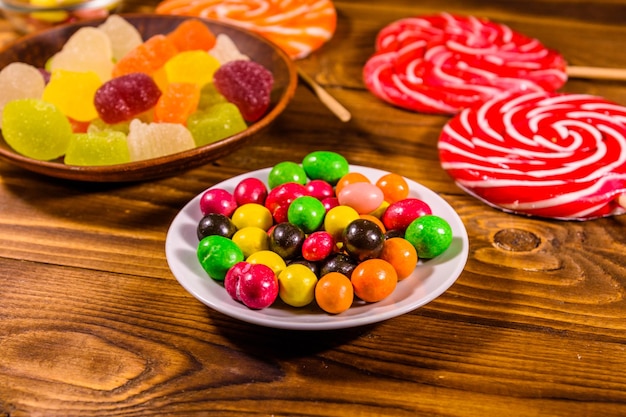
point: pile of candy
(316, 232)
(108, 97)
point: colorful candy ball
(255, 285)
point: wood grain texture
(92, 322)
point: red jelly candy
(122, 98)
(248, 85)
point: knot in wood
(516, 240)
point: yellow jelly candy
(196, 67)
(73, 92)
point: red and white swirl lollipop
(445, 63)
(560, 156)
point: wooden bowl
(35, 49)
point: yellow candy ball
(296, 285)
(251, 240)
(268, 258)
(337, 219)
(252, 215)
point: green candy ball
(325, 165)
(430, 235)
(307, 213)
(285, 172)
(217, 254)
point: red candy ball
(320, 189)
(250, 190)
(400, 214)
(255, 285)
(318, 246)
(280, 197)
(217, 200)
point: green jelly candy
(217, 254)
(217, 122)
(285, 172)
(325, 165)
(430, 235)
(98, 148)
(36, 129)
(209, 96)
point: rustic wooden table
(94, 323)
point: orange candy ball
(401, 254)
(334, 293)
(350, 178)
(374, 280)
(394, 187)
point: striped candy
(299, 27)
(551, 155)
(444, 63)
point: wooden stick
(596, 73)
(329, 101)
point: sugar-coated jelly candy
(124, 37)
(217, 122)
(325, 165)
(431, 235)
(147, 57)
(196, 67)
(72, 92)
(209, 96)
(19, 80)
(152, 140)
(248, 85)
(118, 99)
(88, 49)
(217, 254)
(191, 35)
(296, 285)
(50, 15)
(255, 285)
(280, 197)
(225, 50)
(97, 149)
(36, 129)
(177, 103)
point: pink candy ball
(255, 285)
(364, 197)
(217, 200)
(400, 214)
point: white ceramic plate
(430, 279)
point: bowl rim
(168, 164)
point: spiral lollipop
(444, 63)
(560, 156)
(297, 27)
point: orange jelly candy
(178, 101)
(147, 57)
(192, 35)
